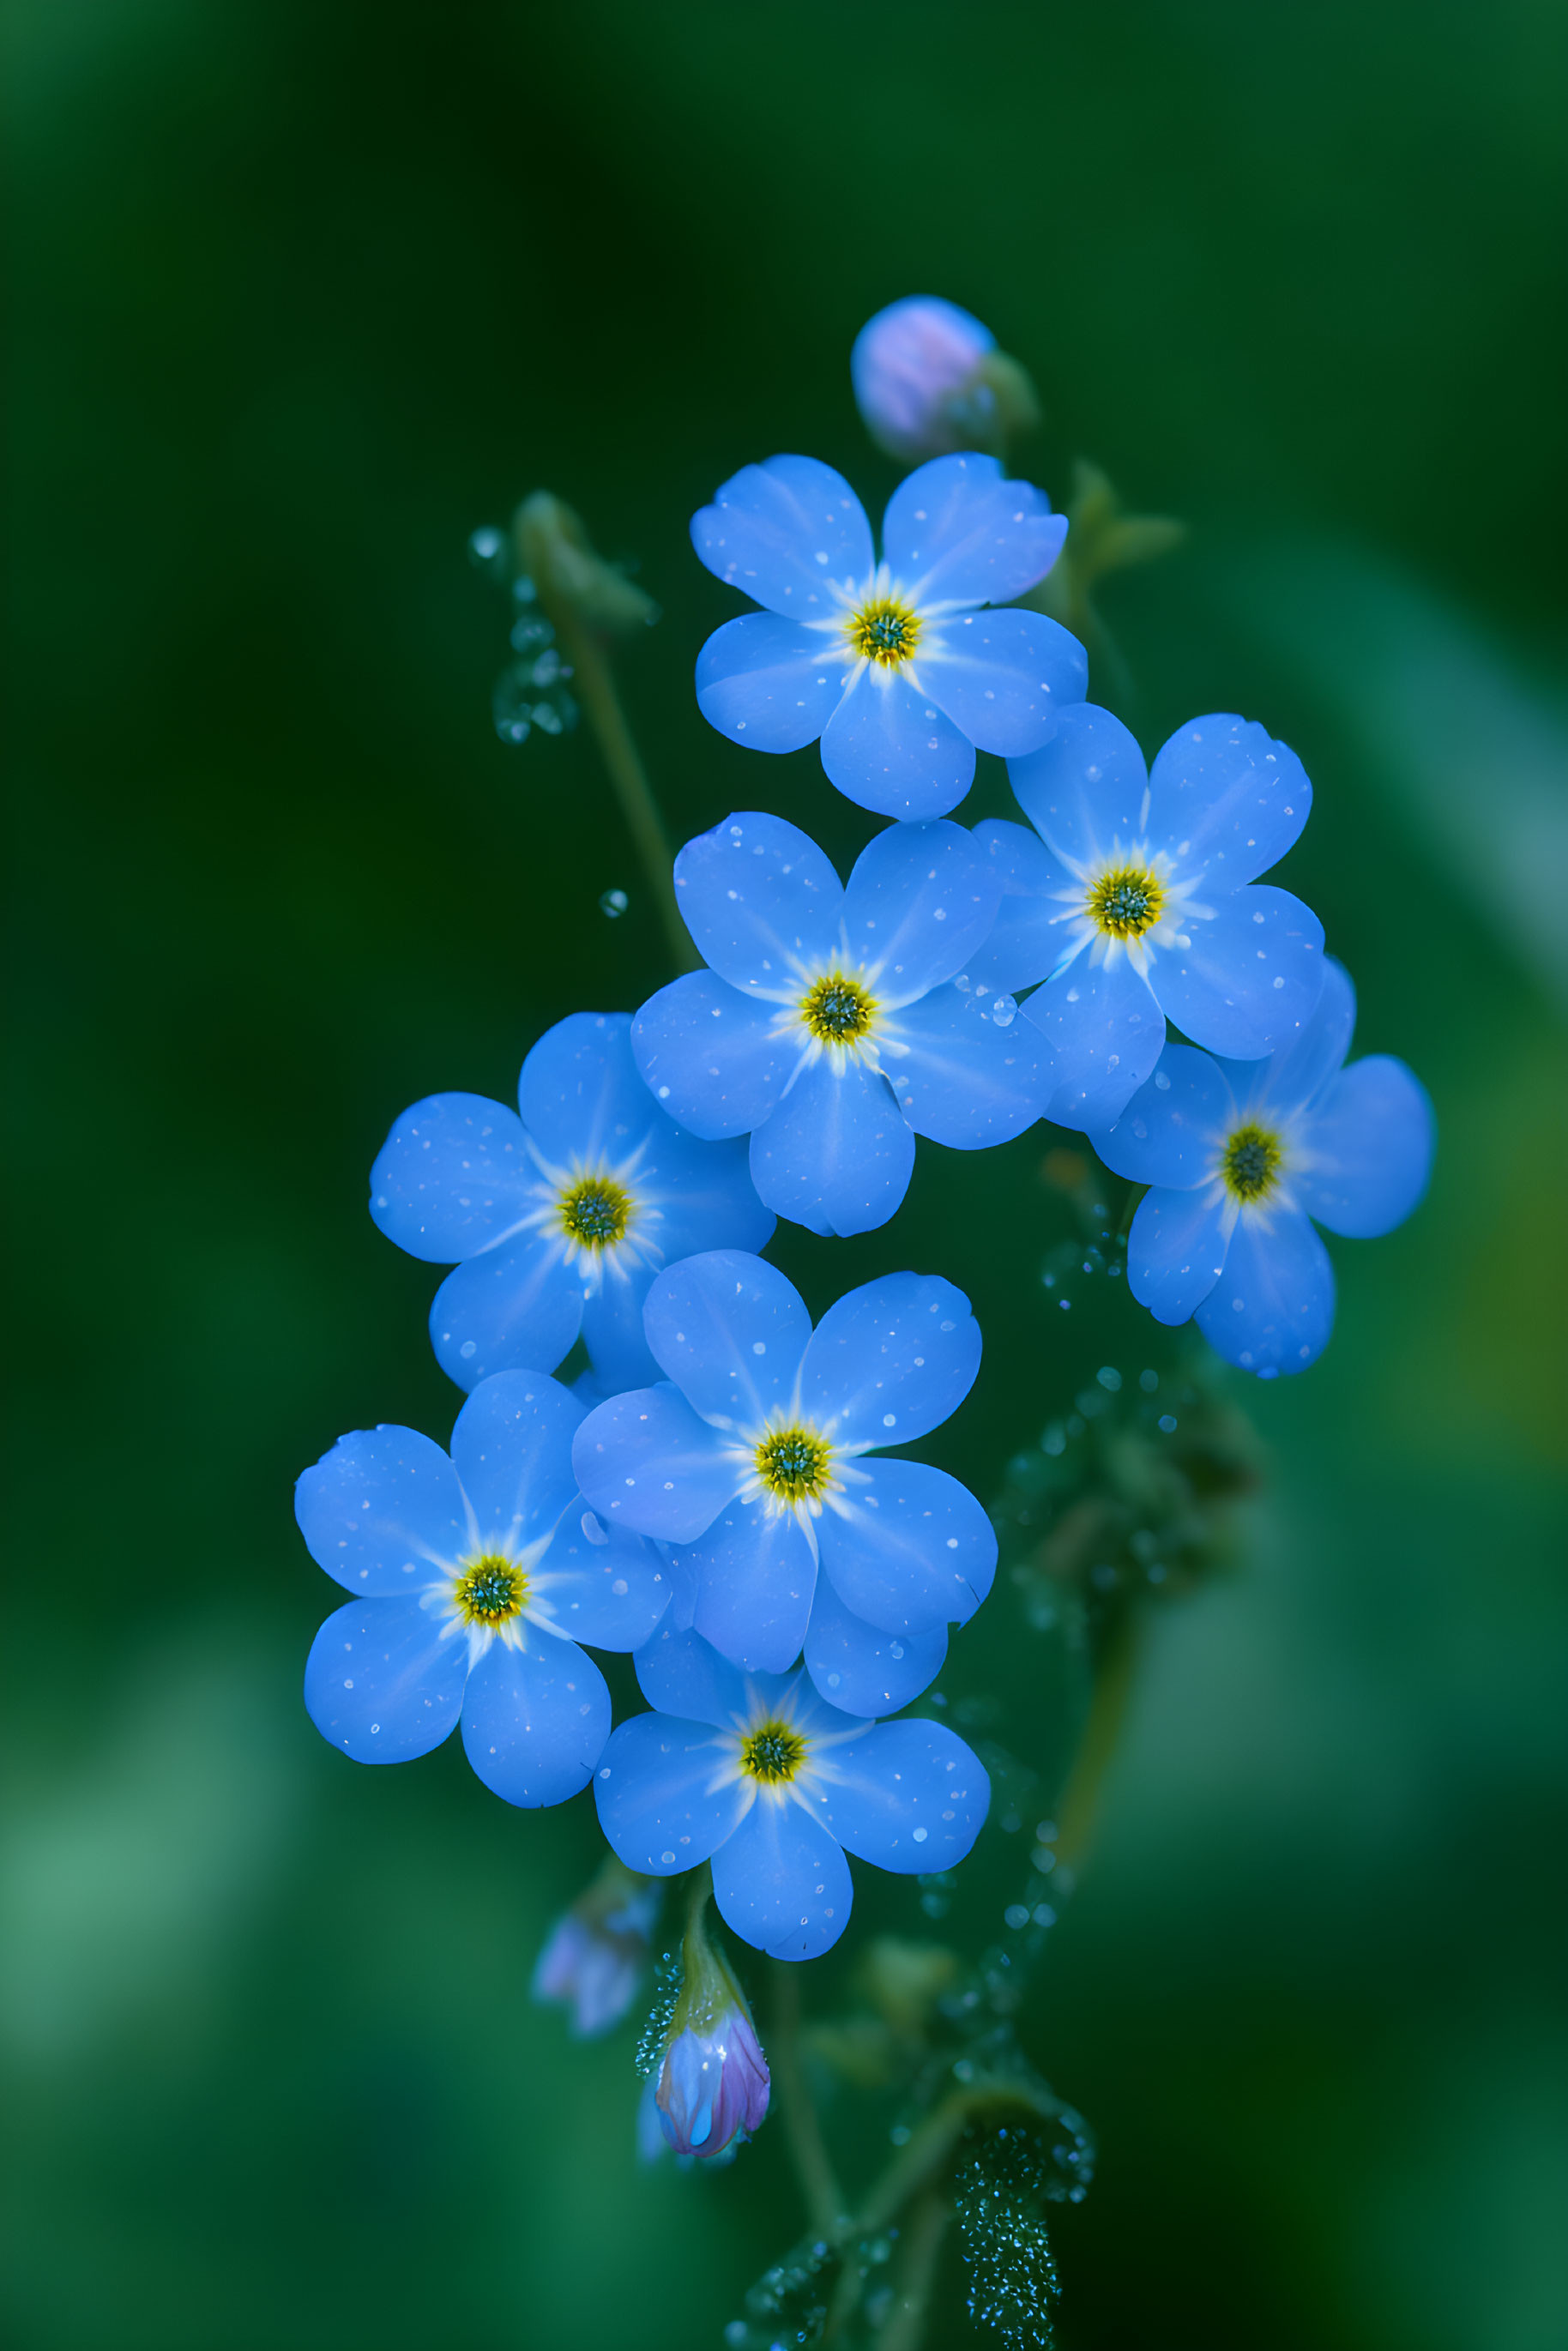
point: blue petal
(755, 1575)
(1172, 1131)
(891, 1360)
(1302, 1067)
(699, 1195)
(453, 1176)
(783, 532)
(1105, 1031)
(1175, 1250)
(535, 1719)
(513, 1308)
(647, 1461)
(908, 1796)
(920, 901)
(580, 1093)
(1223, 795)
(1004, 678)
(1085, 790)
(887, 747)
(382, 1684)
(957, 532)
(667, 1793)
(863, 1669)
(912, 1549)
(600, 1584)
(1026, 940)
(730, 1331)
(782, 1882)
(1369, 1146)
(959, 1077)
(708, 1055)
(836, 1156)
(1251, 977)
(1024, 866)
(768, 683)
(512, 1449)
(1272, 1309)
(379, 1509)
(760, 899)
(614, 1334)
(680, 1673)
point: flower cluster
(724, 1491)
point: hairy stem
(905, 2326)
(803, 2128)
(928, 2153)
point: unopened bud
(929, 378)
(714, 2085)
(597, 1950)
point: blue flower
(1240, 1156)
(471, 1575)
(1137, 908)
(894, 665)
(560, 1219)
(915, 369)
(750, 1459)
(759, 1774)
(828, 1024)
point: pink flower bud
(713, 2087)
(916, 373)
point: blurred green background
(307, 292)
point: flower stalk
(588, 602)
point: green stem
(593, 682)
(904, 2324)
(802, 2129)
(587, 600)
(1080, 1807)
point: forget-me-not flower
(827, 1025)
(1241, 1156)
(756, 1772)
(894, 665)
(474, 1577)
(562, 1217)
(1141, 904)
(750, 1458)
(915, 367)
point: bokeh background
(307, 293)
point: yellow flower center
(883, 631)
(1250, 1162)
(595, 1212)
(837, 1011)
(1127, 901)
(772, 1752)
(795, 1464)
(491, 1590)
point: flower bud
(596, 1951)
(713, 2089)
(928, 379)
